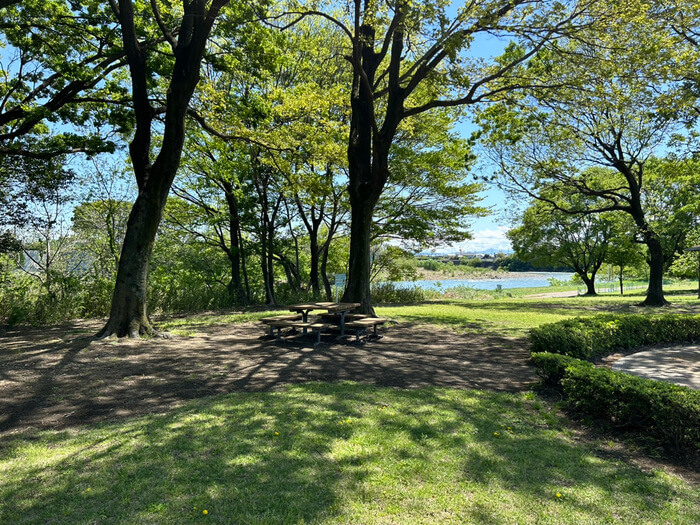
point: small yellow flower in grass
(558, 495)
(510, 428)
(205, 512)
(496, 434)
(277, 433)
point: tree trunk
(590, 283)
(291, 271)
(313, 273)
(655, 292)
(358, 285)
(235, 286)
(267, 277)
(622, 290)
(128, 315)
(244, 267)
(270, 262)
(324, 272)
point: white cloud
(486, 240)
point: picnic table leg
(342, 323)
(304, 318)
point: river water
(513, 280)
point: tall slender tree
(186, 32)
(408, 58)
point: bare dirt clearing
(59, 377)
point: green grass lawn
(335, 453)
(494, 313)
(516, 315)
(345, 453)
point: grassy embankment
(344, 453)
(515, 315)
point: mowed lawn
(516, 315)
(336, 453)
(350, 453)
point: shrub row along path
(675, 364)
(52, 378)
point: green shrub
(667, 413)
(96, 296)
(387, 293)
(600, 335)
(16, 299)
(552, 367)
(430, 264)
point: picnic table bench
(363, 324)
(337, 315)
(315, 327)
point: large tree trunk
(358, 284)
(655, 292)
(368, 149)
(313, 272)
(589, 282)
(128, 315)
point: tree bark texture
(655, 292)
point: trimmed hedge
(667, 413)
(601, 335)
(552, 367)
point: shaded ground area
(60, 377)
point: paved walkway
(675, 364)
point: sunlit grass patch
(516, 315)
(335, 453)
(188, 324)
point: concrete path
(675, 364)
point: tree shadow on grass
(402, 456)
(247, 458)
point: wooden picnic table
(341, 309)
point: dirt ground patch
(59, 377)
